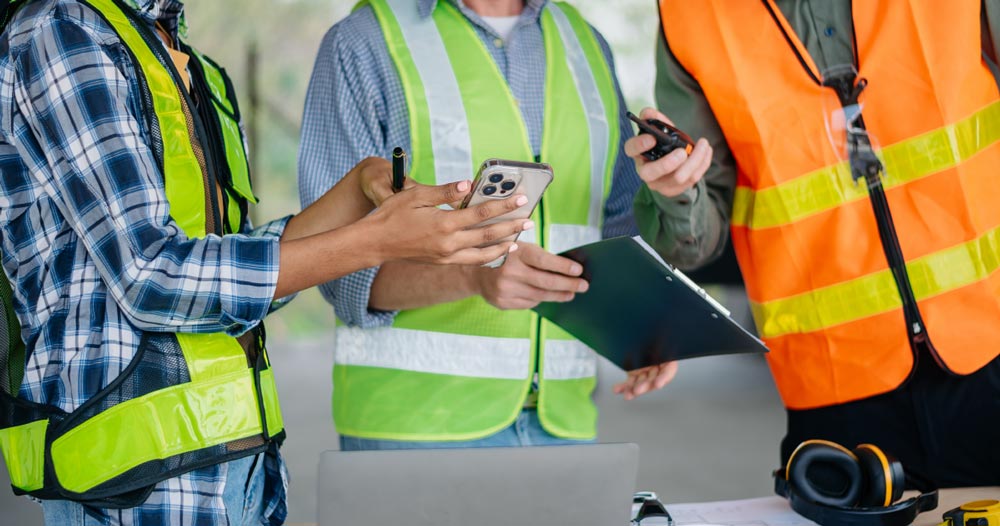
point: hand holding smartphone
(501, 179)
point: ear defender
(883, 475)
(830, 474)
(832, 485)
(826, 473)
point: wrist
(471, 279)
(372, 241)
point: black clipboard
(640, 311)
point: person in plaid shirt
(96, 261)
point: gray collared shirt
(355, 108)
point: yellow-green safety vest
(185, 400)
(462, 370)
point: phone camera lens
(508, 186)
(496, 178)
(489, 190)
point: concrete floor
(712, 434)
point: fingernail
(521, 200)
(583, 286)
(513, 248)
(528, 225)
(463, 185)
(575, 269)
(678, 155)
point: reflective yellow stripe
(183, 178)
(24, 452)
(832, 186)
(178, 419)
(933, 274)
(211, 355)
(272, 412)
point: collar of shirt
(169, 14)
(532, 12)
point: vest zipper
(866, 165)
(871, 170)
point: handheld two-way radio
(667, 137)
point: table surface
(947, 499)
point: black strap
(12, 351)
(7, 10)
(899, 514)
(778, 17)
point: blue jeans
(242, 497)
(525, 431)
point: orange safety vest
(807, 236)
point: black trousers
(942, 427)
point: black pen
(398, 168)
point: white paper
(766, 511)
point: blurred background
(712, 434)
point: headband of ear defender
(831, 485)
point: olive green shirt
(691, 230)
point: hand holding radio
(667, 160)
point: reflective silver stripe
(593, 105)
(450, 140)
(434, 352)
(568, 360)
(563, 237)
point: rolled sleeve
(274, 229)
(350, 295)
(248, 277)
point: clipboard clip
(694, 286)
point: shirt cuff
(275, 229)
(680, 206)
(350, 295)
(248, 280)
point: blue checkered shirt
(94, 258)
(355, 108)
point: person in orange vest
(852, 154)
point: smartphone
(667, 137)
(501, 179)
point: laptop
(579, 485)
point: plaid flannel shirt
(92, 254)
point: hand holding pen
(398, 169)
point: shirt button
(498, 42)
(830, 31)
